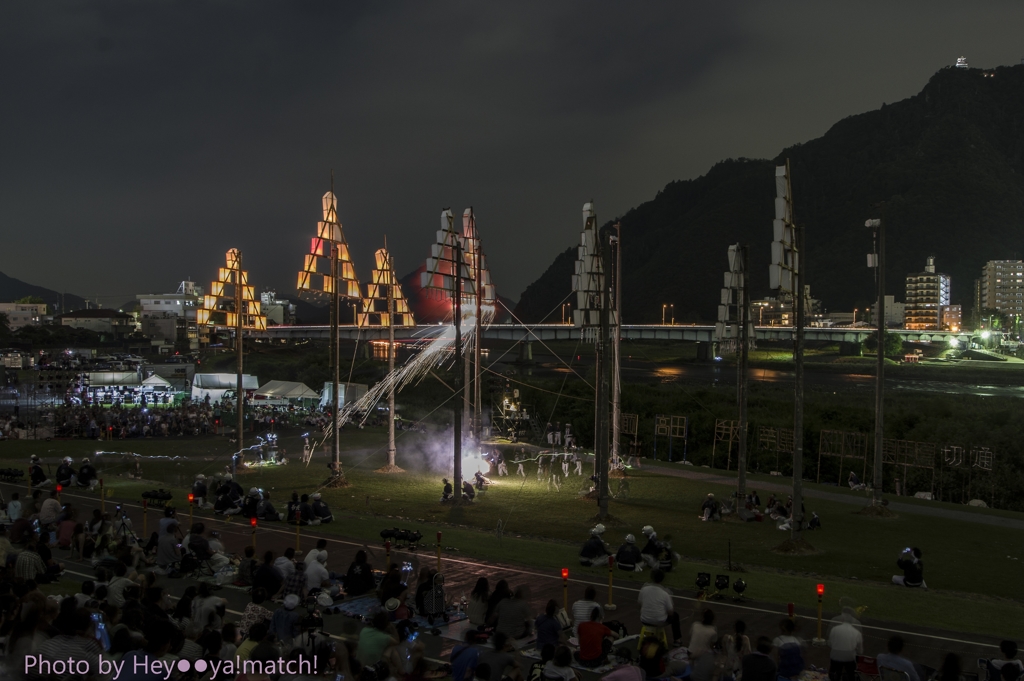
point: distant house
(109, 324)
(23, 314)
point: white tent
(155, 382)
(215, 385)
(291, 391)
(347, 392)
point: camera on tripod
(313, 619)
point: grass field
(971, 568)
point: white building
(893, 312)
(276, 310)
(23, 314)
(169, 319)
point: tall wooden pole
(798, 355)
(239, 388)
(391, 359)
(477, 399)
(741, 457)
(601, 448)
(459, 387)
(335, 352)
(877, 481)
(616, 357)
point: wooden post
(610, 605)
(191, 505)
(145, 518)
(439, 551)
(298, 523)
(565, 589)
(387, 554)
(103, 499)
(252, 521)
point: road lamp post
(877, 261)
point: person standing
(656, 607)
(845, 643)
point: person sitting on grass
(913, 569)
(321, 510)
(709, 509)
(265, 510)
(855, 483)
(594, 551)
(628, 557)
(595, 641)
(359, 578)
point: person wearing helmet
(87, 476)
(66, 475)
(36, 474)
(199, 489)
(320, 509)
(628, 556)
(251, 502)
(594, 550)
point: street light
(671, 308)
(565, 305)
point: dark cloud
(141, 140)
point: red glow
(59, 488)
(191, 498)
(821, 589)
(565, 573)
(252, 521)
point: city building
(169, 319)
(1001, 287)
(779, 311)
(109, 324)
(276, 310)
(927, 294)
(23, 314)
(893, 312)
(952, 319)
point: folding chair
(889, 674)
(867, 668)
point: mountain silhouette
(944, 168)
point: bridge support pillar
(706, 351)
(526, 351)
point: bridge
(658, 332)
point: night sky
(141, 140)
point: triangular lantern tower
(328, 271)
(385, 305)
(231, 303)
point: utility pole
(741, 457)
(877, 260)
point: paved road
(694, 473)
(925, 645)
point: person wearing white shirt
(581, 609)
(1009, 651)
(316, 572)
(845, 643)
(286, 564)
(321, 547)
(656, 607)
(703, 635)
